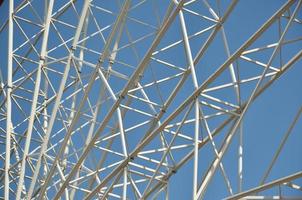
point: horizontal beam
(271, 197)
(266, 186)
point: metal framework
(128, 99)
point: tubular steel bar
(116, 124)
(280, 147)
(195, 84)
(266, 186)
(8, 99)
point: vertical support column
(35, 98)
(44, 111)
(196, 137)
(240, 157)
(125, 184)
(81, 57)
(8, 98)
(58, 99)
(195, 83)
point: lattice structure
(144, 99)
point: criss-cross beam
(154, 121)
(212, 169)
(232, 118)
(187, 73)
(132, 81)
(58, 99)
(195, 94)
(96, 72)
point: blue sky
(264, 125)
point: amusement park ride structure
(150, 99)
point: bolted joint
(196, 96)
(121, 96)
(42, 58)
(219, 23)
(239, 110)
(73, 48)
(111, 61)
(100, 60)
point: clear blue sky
(265, 122)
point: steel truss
(110, 100)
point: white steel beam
(195, 84)
(35, 98)
(280, 147)
(81, 57)
(8, 99)
(90, 133)
(266, 186)
(271, 197)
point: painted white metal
(284, 139)
(195, 84)
(122, 95)
(44, 160)
(8, 99)
(266, 186)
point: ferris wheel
(150, 99)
